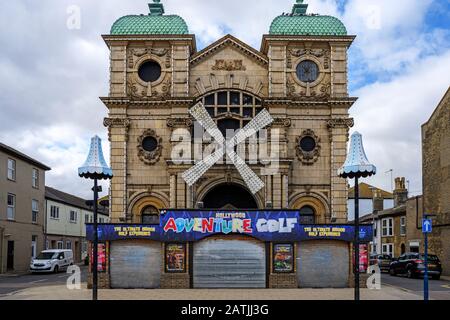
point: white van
(52, 261)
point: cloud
(390, 116)
(53, 76)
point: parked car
(52, 261)
(413, 265)
(382, 260)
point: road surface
(439, 289)
(11, 284)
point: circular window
(307, 144)
(307, 71)
(149, 144)
(149, 71)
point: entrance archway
(229, 196)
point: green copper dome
(299, 23)
(154, 23)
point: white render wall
(63, 225)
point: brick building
(299, 76)
(389, 225)
(22, 209)
(436, 178)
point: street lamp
(356, 166)
(95, 168)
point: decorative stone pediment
(229, 64)
(227, 42)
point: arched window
(307, 215)
(241, 106)
(150, 215)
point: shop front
(227, 249)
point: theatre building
(218, 233)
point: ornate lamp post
(356, 166)
(95, 168)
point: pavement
(53, 287)
(62, 293)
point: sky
(54, 67)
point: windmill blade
(253, 182)
(202, 116)
(262, 120)
(192, 175)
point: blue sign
(427, 225)
(192, 225)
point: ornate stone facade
(300, 79)
(229, 65)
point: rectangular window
(35, 178)
(283, 258)
(11, 211)
(402, 226)
(175, 257)
(34, 210)
(60, 245)
(388, 248)
(73, 216)
(69, 245)
(12, 169)
(86, 218)
(47, 245)
(387, 226)
(54, 212)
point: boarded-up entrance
(323, 264)
(229, 263)
(135, 264)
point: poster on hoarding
(175, 257)
(101, 257)
(283, 258)
(363, 257)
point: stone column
(277, 70)
(118, 137)
(117, 81)
(173, 191)
(339, 130)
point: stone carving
(139, 52)
(313, 52)
(133, 90)
(282, 122)
(117, 122)
(149, 157)
(346, 123)
(229, 65)
(179, 122)
(319, 53)
(340, 123)
(136, 91)
(308, 157)
(142, 51)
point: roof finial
(299, 7)
(156, 8)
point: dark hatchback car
(382, 260)
(413, 265)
